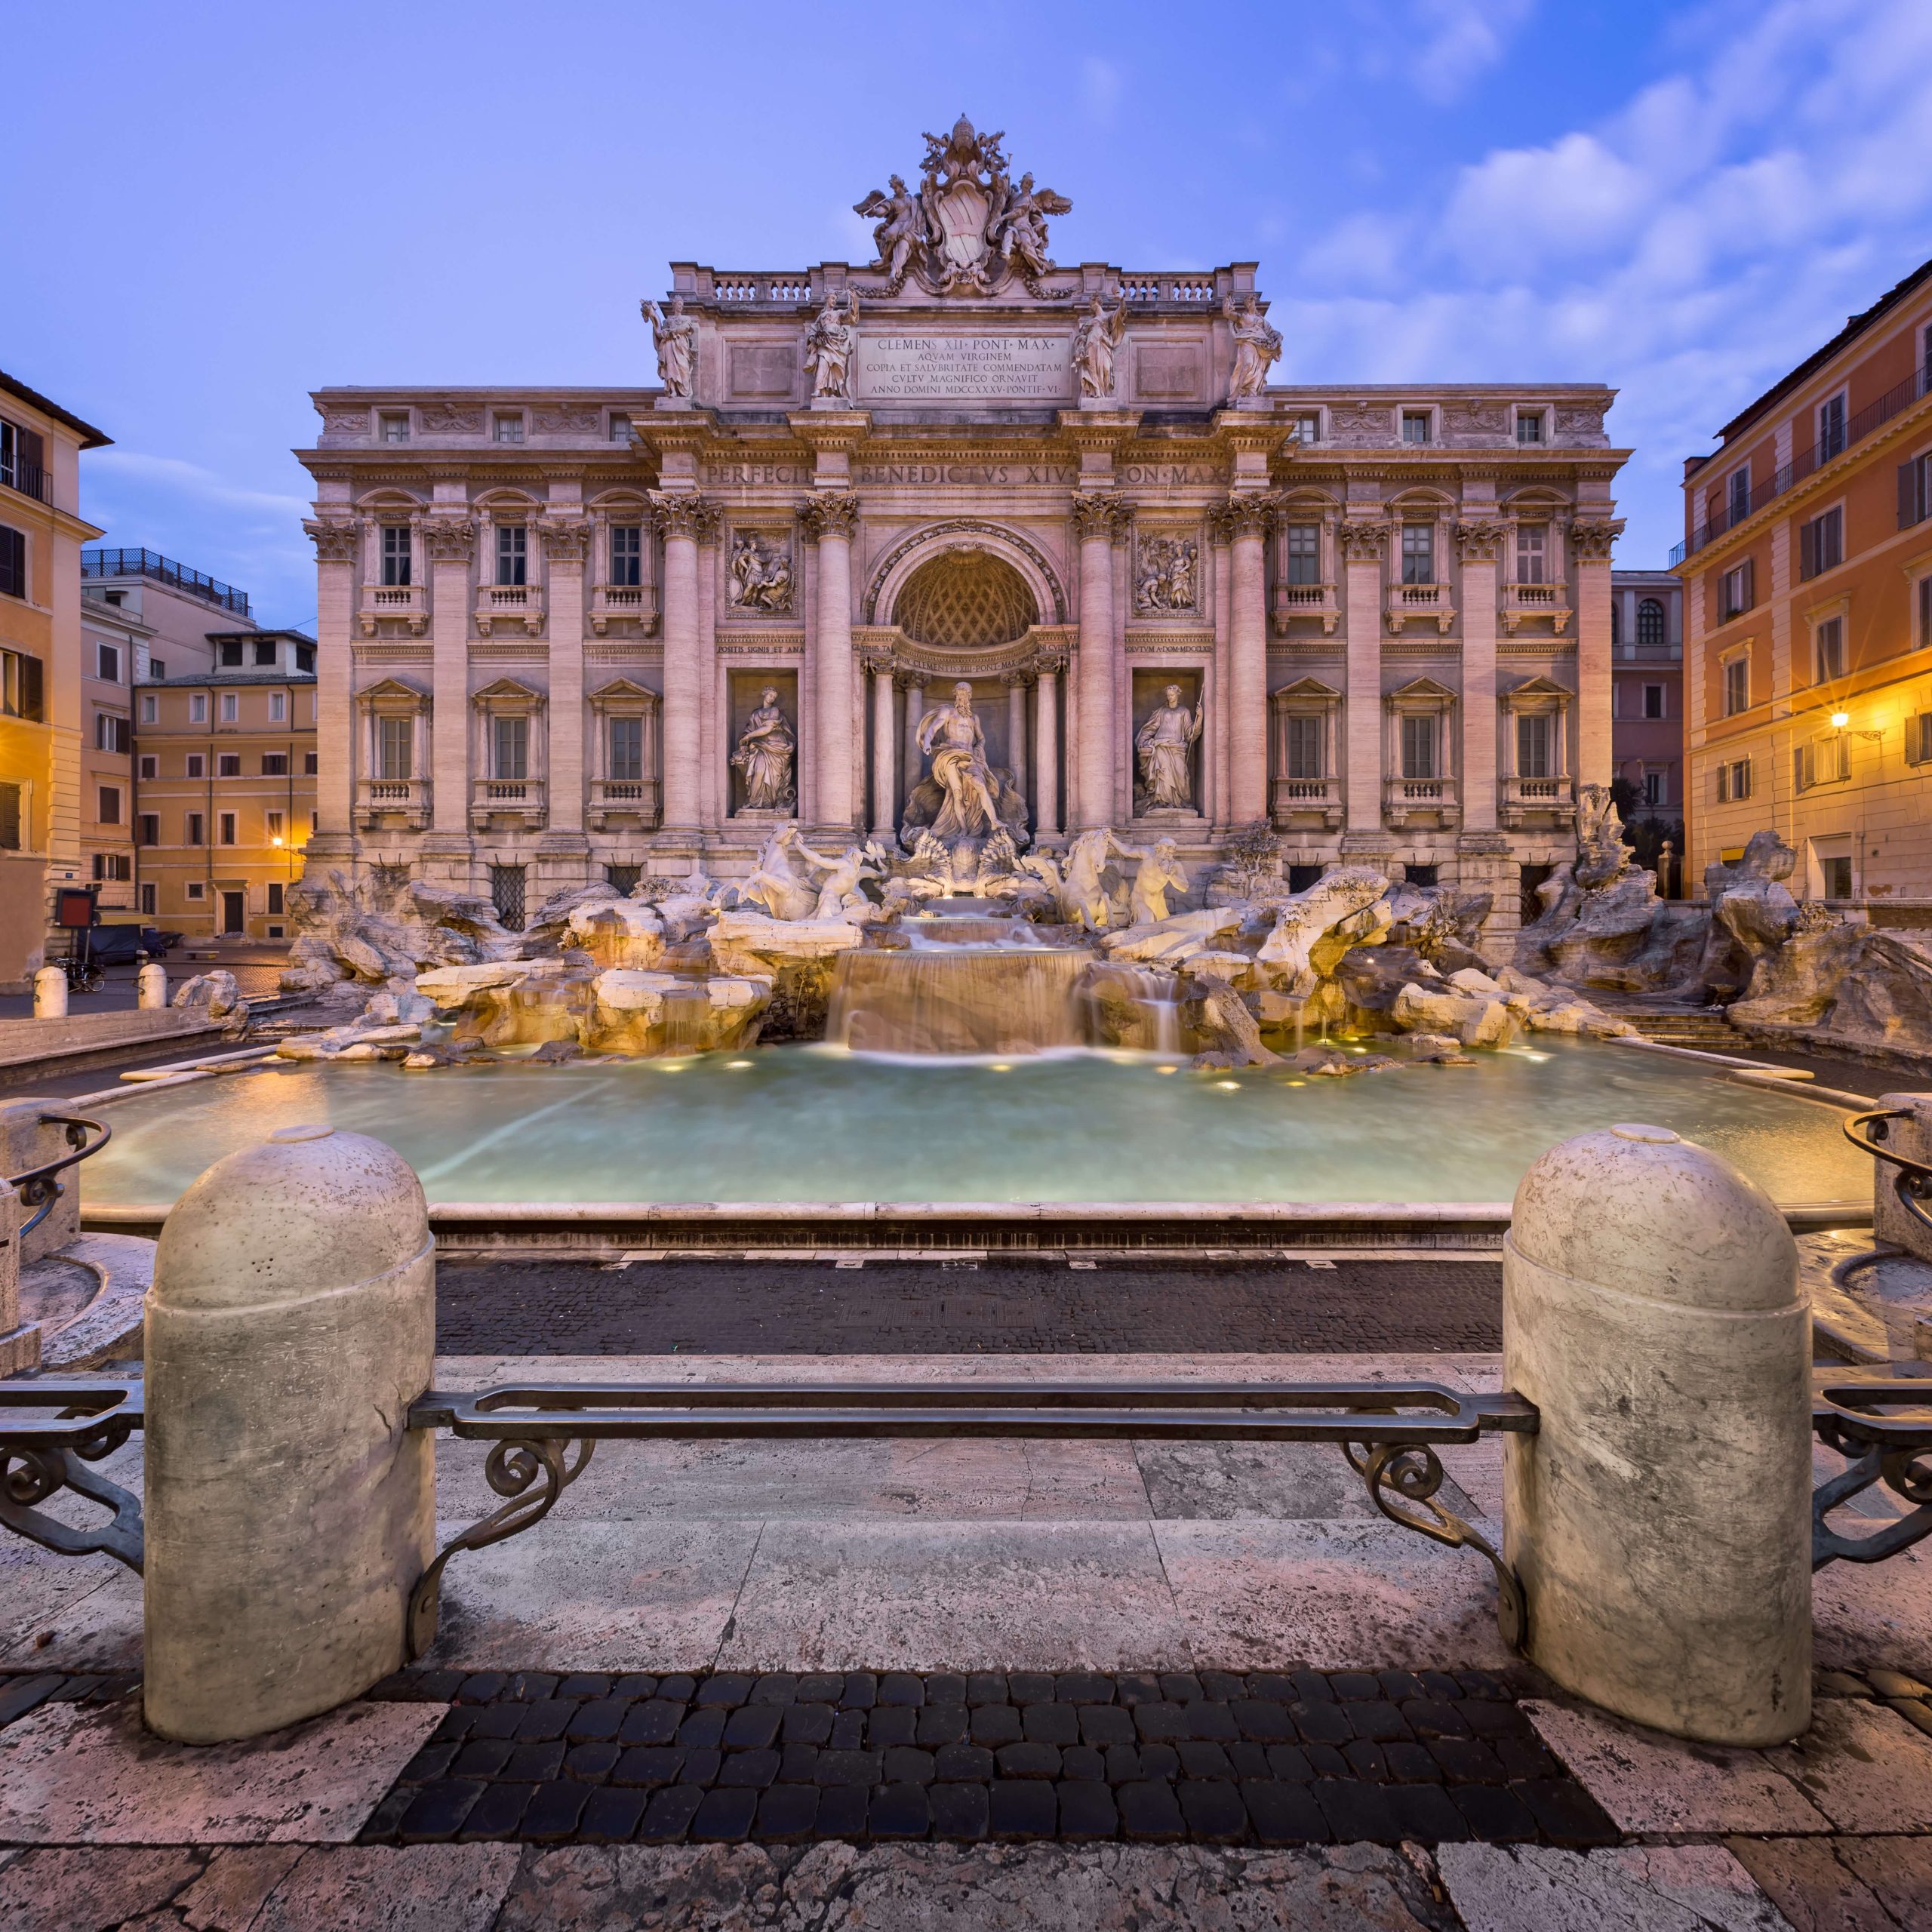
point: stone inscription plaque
(963, 368)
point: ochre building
(570, 633)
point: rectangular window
(273, 827)
(1834, 877)
(1828, 650)
(150, 901)
(1925, 612)
(157, 669)
(107, 663)
(230, 654)
(394, 426)
(227, 822)
(1737, 590)
(1306, 427)
(1302, 547)
(627, 750)
(1734, 781)
(511, 553)
(275, 764)
(510, 747)
(1737, 686)
(1532, 552)
(21, 694)
(1830, 759)
(228, 764)
(1738, 490)
(278, 707)
(13, 562)
(1418, 553)
(393, 736)
(1915, 490)
(1418, 746)
(109, 804)
(1653, 788)
(111, 733)
(22, 460)
(147, 829)
(265, 655)
(197, 709)
(1653, 700)
(197, 767)
(194, 830)
(309, 766)
(150, 765)
(1536, 745)
(1831, 428)
(231, 707)
(10, 816)
(1529, 426)
(506, 895)
(276, 907)
(620, 426)
(305, 659)
(150, 708)
(398, 554)
(509, 429)
(1821, 543)
(1307, 758)
(626, 553)
(195, 889)
(1415, 425)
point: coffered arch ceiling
(964, 599)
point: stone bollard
(291, 1323)
(1659, 1520)
(151, 987)
(50, 993)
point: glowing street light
(1840, 719)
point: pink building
(1647, 698)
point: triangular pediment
(394, 687)
(621, 688)
(1423, 687)
(1539, 687)
(1312, 689)
(510, 688)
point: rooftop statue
(828, 349)
(1095, 338)
(1257, 348)
(676, 335)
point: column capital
(829, 513)
(1363, 539)
(1480, 539)
(1097, 513)
(449, 540)
(1049, 660)
(1247, 515)
(335, 542)
(1018, 678)
(1592, 538)
(684, 513)
(565, 539)
(876, 658)
(909, 678)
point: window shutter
(33, 447)
(32, 691)
(1744, 778)
(1747, 579)
(1798, 768)
(1807, 549)
(1723, 784)
(13, 562)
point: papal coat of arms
(969, 226)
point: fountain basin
(799, 1149)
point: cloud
(1460, 39)
(171, 474)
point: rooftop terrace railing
(151, 564)
(1745, 503)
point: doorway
(234, 911)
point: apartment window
(107, 663)
(1828, 650)
(13, 562)
(194, 890)
(150, 709)
(197, 766)
(1737, 686)
(509, 429)
(1653, 788)
(1915, 490)
(305, 659)
(1653, 700)
(510, 739)
(272, 825)
(150, 765)
(275, 764)
(397, 555)
(230, 652)
(395, 426)
(1738, 491)
(228, 764)
(9, 816)
(22, 459)
(231, 707)
(1529, 426)
(1416, 426)
(276, 906)
(1304, 552)
(627, 749)
(1615, 621)
(150, 901)
(626, 553)
(227, 822)
(112, 868)
(1306, 427)
(111, 733)
(195, 833)
(1532, 552)
(1650, 621)
(1419, 745)
(1418, 553)
(147, 829)
(1737, 590)
(265, 655)
(1734, 781)
(1536, 745)
(310, 767)
(1925, 611)
(1834, 877)
(157, 669)
(393, 747)
(1306, 751)
(1919, 738)
(1824, 760)
(512, 553)
(278, 707)
(620, 426)
(107, 805)
(1821, 543)
(1830, 427)
(21, 692)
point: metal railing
(37, 1188)
(151, 565)
(1745, 503)
(31, 479)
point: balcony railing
(507, 798)
(1745, 503)
(1308, 797)
(509, 603)
(30, 479)
(624, 800)
(1406, 799)
(623, 604)
(1535, 600)
(1537, 797)
(1419, 603)
(151, 565)
(407, 602)
(378, 799)
(1305, 600)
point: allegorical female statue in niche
(1165, 744)
(766, 748)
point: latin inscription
(982, 475)
(963, 368)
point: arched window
(1616, 621)
(1650, 621)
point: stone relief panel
(758, 370)
(345, 422)
(450, 419)
(1370, 423)
(761, 583)
(1167, 575)
(567, 419)
(1479, 421)
(1169, 373)
(1580, 422)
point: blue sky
(214, 208)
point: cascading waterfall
(957, 999)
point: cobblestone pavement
(536, 1308)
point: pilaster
(1361, 541)
(681, 516)
(829, 519)
(336, 547)
(449, 542)
(565, 541)
(1592, 539)
(1481, 540)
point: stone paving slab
(81, 1774)
(1864, 1767)
(1640, 1888)
(1809, 1882)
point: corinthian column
(1591, 541)
(1247, 697)
(1046, 747)
(1361, 541)
(1479, 541)
(682, 516)
(831, 517)
(1095, 751)
(885, 791)
(450, 543)
(565, 540)
(336, 545)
